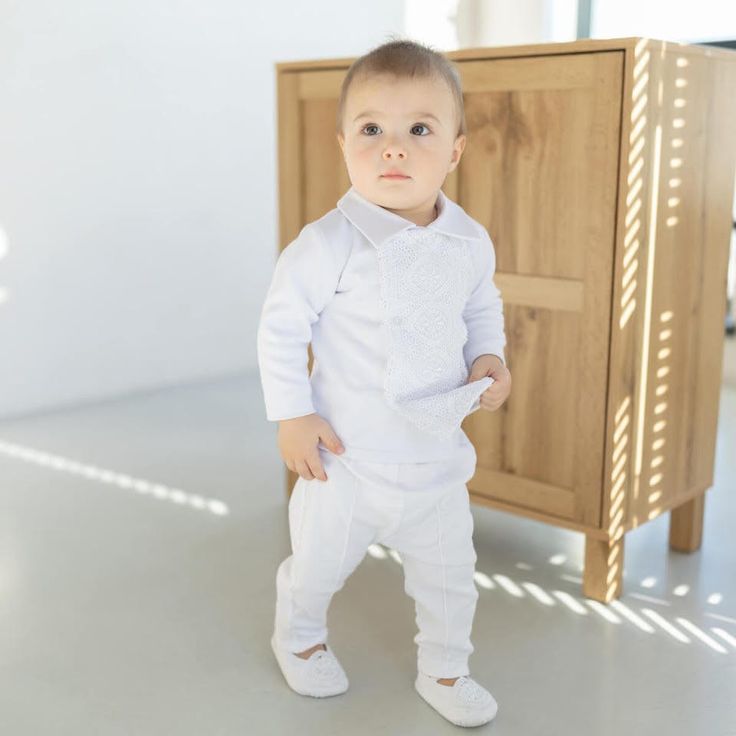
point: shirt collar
(378, 224)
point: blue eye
(420, 125)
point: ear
(457, 151)
(341, 141)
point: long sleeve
(304, 280)
(483, 313)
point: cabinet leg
(604, 568)
(686, 524)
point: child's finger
(304, 470)
(491, 404)
(315, 465)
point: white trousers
(332, 523)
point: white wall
(503, 23)
(138, 186)
(683, 21)
(453, 24)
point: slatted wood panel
(676, 190)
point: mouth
(394, 175)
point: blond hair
(404, 59)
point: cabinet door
(540, 172)
(312, 173)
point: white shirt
(396, 314)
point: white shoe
(466, 703)
(319, 676)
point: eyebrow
(372, 113)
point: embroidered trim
(426, 279)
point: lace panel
(426, 279)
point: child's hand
(298, 439)
(491, 365)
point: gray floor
(138, 545)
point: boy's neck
(418, 216)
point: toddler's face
(388, 127)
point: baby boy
(394, 290)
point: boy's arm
(304, 280)
(483, 313)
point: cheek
(363, 147)
(362, 153)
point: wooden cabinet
(604, 173)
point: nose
(394, 151)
